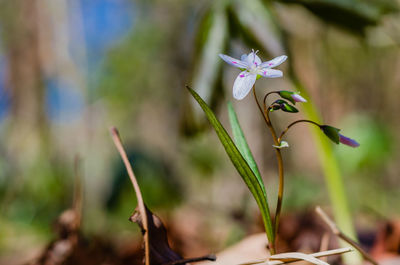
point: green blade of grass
(242, 145)
(243, 168)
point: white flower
(252, 67)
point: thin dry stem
(77, 201)
(333, 227)
(117, 141)
(324, 245)
(327, 253)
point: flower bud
(298, 98)
(292, 96)
(285, 106)
(288, 108)
(331, 132)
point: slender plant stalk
(142, 209)
(78, 190)
(265, 113)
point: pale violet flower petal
(233, 61)
(297, 98)
(243, 84)
(348, 141)
(243, 57)
(253, 59)
(283, 144)
(274, 62)
(271, 73)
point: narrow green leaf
(212, 39)
(258, 26)
(333, 177)
(240, 164)
(242, 145)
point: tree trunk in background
(20, 34)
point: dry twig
(324, 245)
(142, 209)
(333, 227)
(315, 255)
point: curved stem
(141, 206)
(293, 123)
(269, 93)
(265, 114)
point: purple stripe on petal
(348, 141)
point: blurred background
(69, 70)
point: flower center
(254, 69)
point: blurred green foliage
(156, 178)
(351, 15)
(139, 86)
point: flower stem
(265, 114)
(293, 123)
(269, 93)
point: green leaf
(331, 132)
(257, 25)
(242, 145)
(212, 38)
(243, 168)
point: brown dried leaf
(160, 251)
